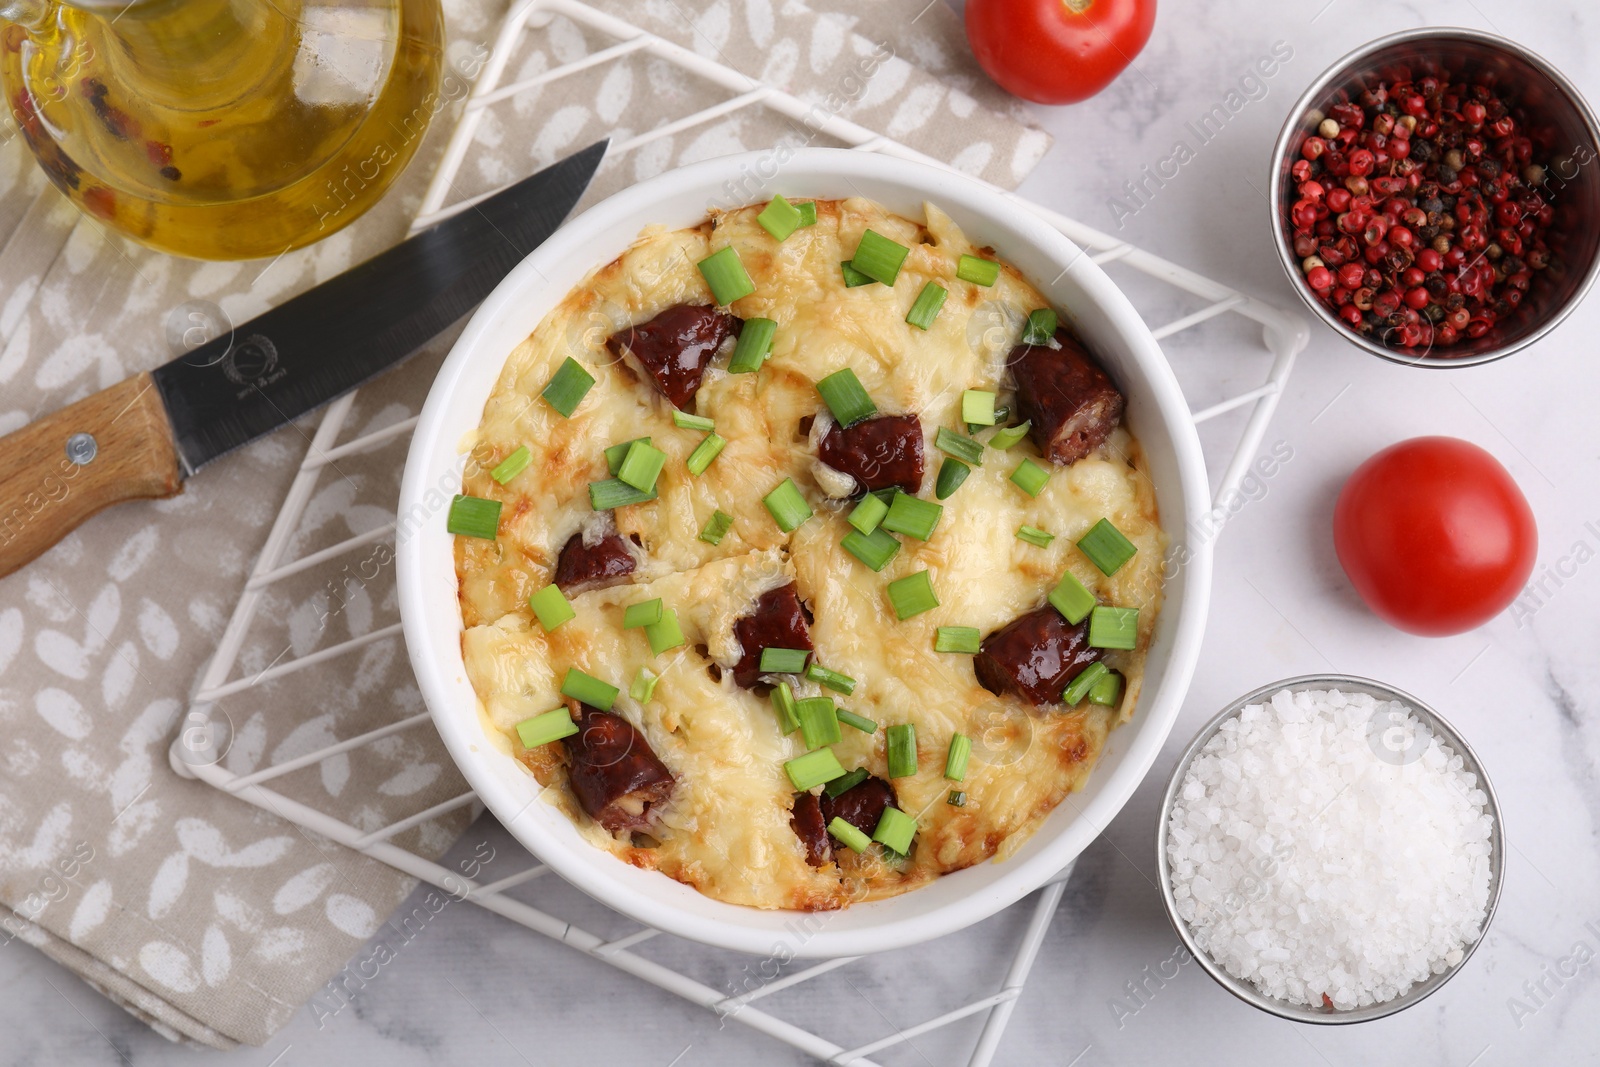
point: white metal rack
(1283, 335)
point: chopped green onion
(813, 769)
(955, 761)
(783, 700)
(808, 212)
(706, 451)
(726, 276)
(868, 514)
(958, 445)
(642, 466)
(665, 634)
(644, 613)
(1030, 477)
(983, 272)
(853, 277)
(567, 387)
(912, 595)
(1041, 327)
(900, 741)
(846, 398)
(926, 307)
(783, 660)
(1006, 438)
(588, 689)
(912, 516)
(617, 453)
(787, 507)
(849, 836)
(956, 799)
(1113, 627)
(1079, 687)
(879, 258)
(977, 407)
(840, 786)
(780, 218)
(895, 830)
(685, 421)
(1107, 690)
(716, 527)
(1071, 598)
(1035, 536)
(644, 685)
(512, 465)
(860, 722)
(875, 549)
(952, 472)
(472, 516)
(839, 683)
(755, 344)
(964, 639)
(1106, 547)
(553, 725)
(819, 721)
(551, 607)
(616, 493)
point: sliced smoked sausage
(861, 805)
(675, 347)
(809, 827)
(1063, 393)
(1034, 656)
(614, 775)
(882, 452)
(581, 567)
(778, 620)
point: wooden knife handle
(45, 494)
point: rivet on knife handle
(57, 471)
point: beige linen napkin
(208, 918)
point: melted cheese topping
(726, 828)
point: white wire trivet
(1283, 335)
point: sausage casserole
(818, 561)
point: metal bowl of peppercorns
(1436, 197)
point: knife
(141, 439)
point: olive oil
(222, 129)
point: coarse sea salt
(1327, 844)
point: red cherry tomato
(1057, 51)
(1434, 535)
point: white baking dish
(1156, 412)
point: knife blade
(140, 439)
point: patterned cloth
(211, 919)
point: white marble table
(473, 989)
